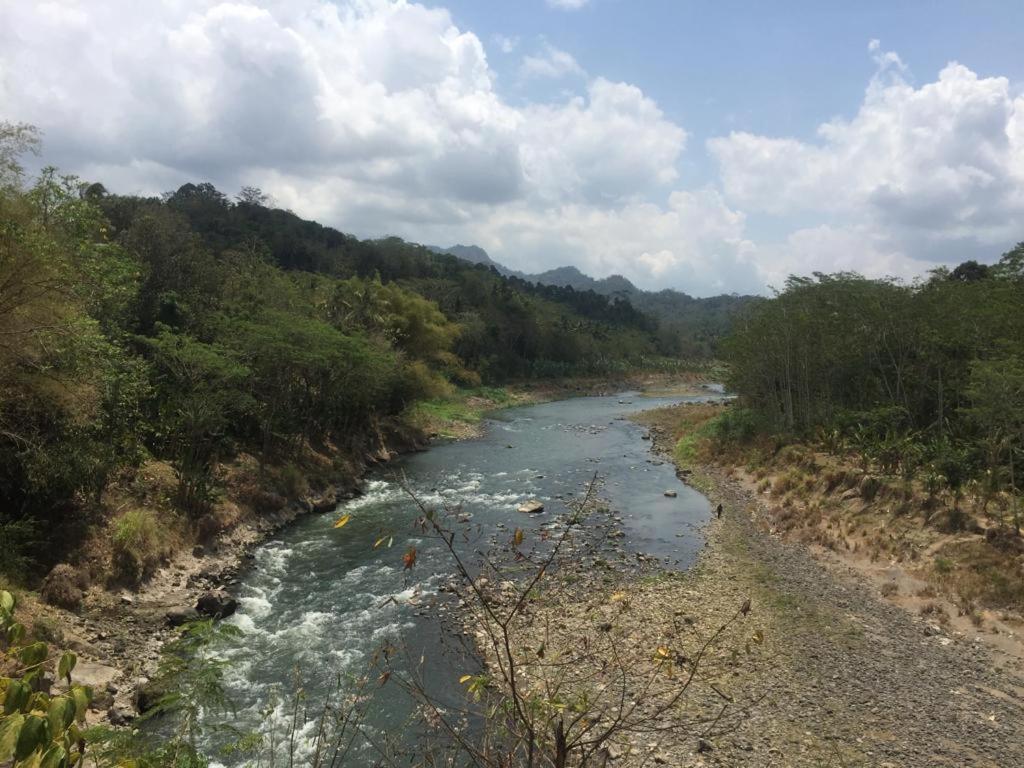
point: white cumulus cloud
(383, 117)
(935, 171)
(568, 5)
(550, 62)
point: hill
(688, 326)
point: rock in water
(531, 507)
(217, 604)
(671, 494)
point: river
(317, 601)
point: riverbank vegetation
(922, 382)
(177, 361)
(906, 399)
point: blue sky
(706, 146)
(775, 68)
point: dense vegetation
(923, 380)
(687, 327)
(192, 328)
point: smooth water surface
(321, 600)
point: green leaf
(33, 735)
(34, 654)
(15, 633)
(7, 601)
(10, 727)
(16, 696)
(54, 757)
(81, 695)
(66, 664)
(60, 714)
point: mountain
(474, 254)
(613, 285)
(692, 326)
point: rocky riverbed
(821, 672)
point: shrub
(736, 425)
(291, 481)
(140, 542)
(64, 587)
(869, 488)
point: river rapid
(318, 601)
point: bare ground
(855, 679)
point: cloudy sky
(710, 147)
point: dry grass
(828, 501)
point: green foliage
(37, 729)
(735, 425)
(139, 541)
(919, 378)
(192, 328)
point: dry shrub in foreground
(572, 678)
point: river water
(318, 601)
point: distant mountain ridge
(474, 254)
(698, 322)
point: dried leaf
(409, 558)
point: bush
(291, 481)
(64, 586)
(140, 543)
(869, 487)
(736, 425)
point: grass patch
(979, 574)
(458, 414)
(140, 542)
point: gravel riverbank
(849, 679)
(821, 672)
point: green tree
(996, 393)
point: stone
(531, 507)
(671, 494)
(119, 714)
(175, 617)
(217, 604)
(99, 677)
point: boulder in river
(671, 494)
(217, 604)
(531, 507)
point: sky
(711, 147)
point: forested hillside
(923, 380)
(687, 327)
(193, 328)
